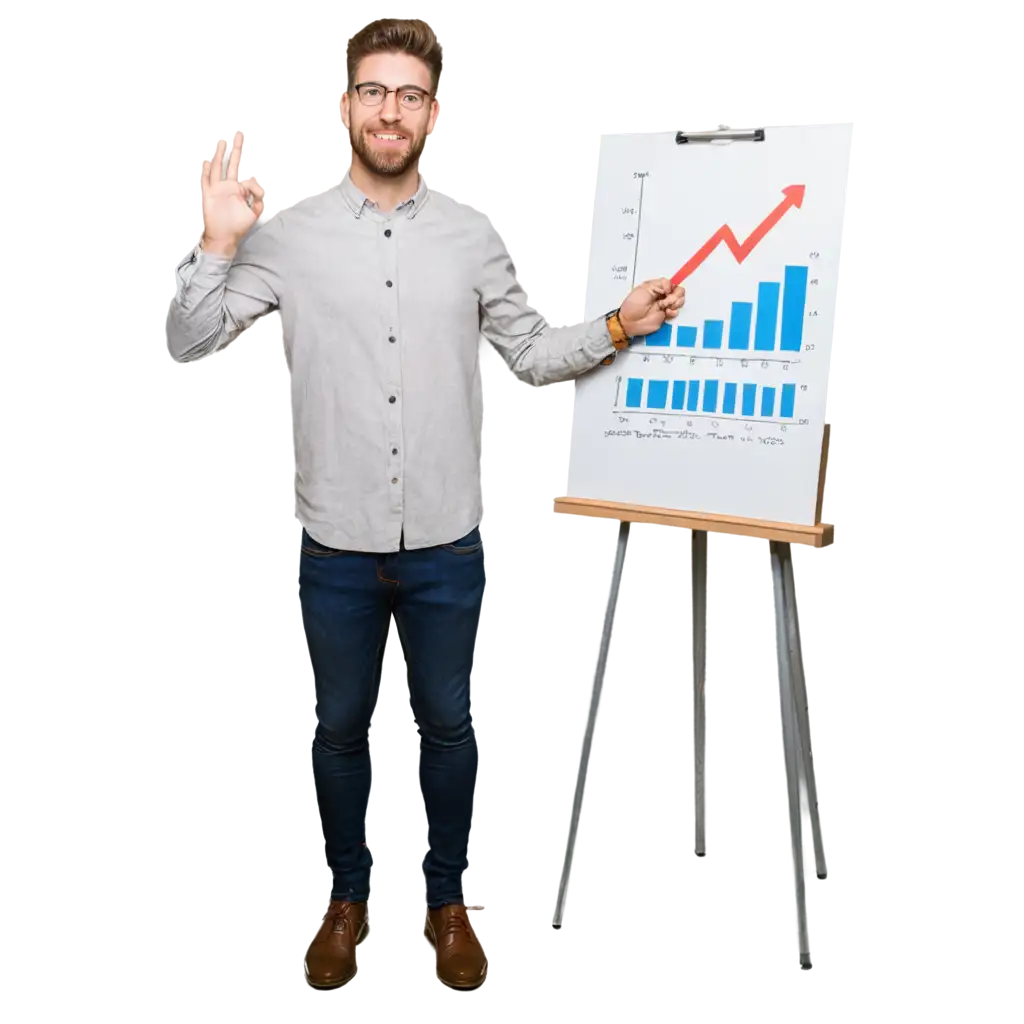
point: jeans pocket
(316, 549)
(467, 545)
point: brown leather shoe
(460, 958)
(331, 957)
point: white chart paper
(723, 410)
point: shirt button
(391, 337)
(387, 233)
(392, 399)
(389, 284)
(394, 479)
(394, 451)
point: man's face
(367, 124)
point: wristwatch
(620, 339)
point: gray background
(157, 853)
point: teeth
(379, 136)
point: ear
(435, 109)
(345, 114)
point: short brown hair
(396, 35)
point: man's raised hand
(230, 206)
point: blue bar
(767, 316)
(678, 393)
(657, 392)
(793, 301)
(691, 395)
(788, 397)
(729, 399)
(748, 399)
(686, 336)
(661, 337)
(739, 325)
(634, 388)
(713, 333)
(711, 396)
(767, 401)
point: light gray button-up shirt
(382, 315)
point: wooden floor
(525, 954)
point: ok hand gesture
(230, 206)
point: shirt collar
(358, 201)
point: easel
(804, 842)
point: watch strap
(620, 339)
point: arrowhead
(795, 194)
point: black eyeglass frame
(422, 93)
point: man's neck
(385, 190)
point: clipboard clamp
(724, 133)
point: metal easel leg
(699, 572)
(790, 738)
(796, 660)
(609, 615)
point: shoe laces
(339, 914)
(455, 926)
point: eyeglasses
(373, 94)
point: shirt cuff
(599, 340)
(599, 344)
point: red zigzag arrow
(794, 197)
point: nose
(390, 110)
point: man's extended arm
(535, 351)
(219, 296)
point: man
(384, 288)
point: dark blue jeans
(348, 598)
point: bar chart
(721, 407)
(774, 323)
(740, 399)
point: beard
(391, 164)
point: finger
(675, 300)
(209, 173)
(217, 164)
(658, 286)
(235, 158)
(204, 172)
(254, 186)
